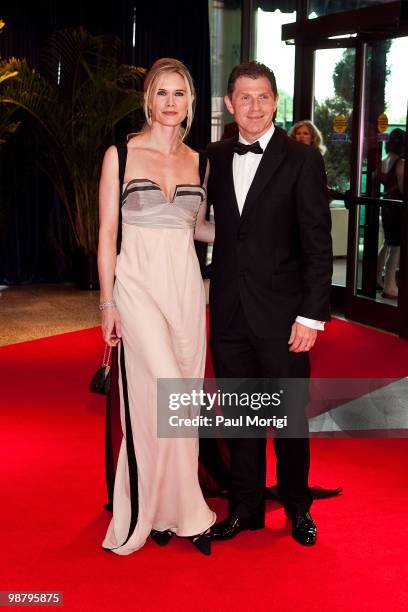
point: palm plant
(81, 94)
(6, 125)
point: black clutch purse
(100, 382)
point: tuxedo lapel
(229, 176)
(271, 160)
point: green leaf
(82, 93)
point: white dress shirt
(244, 168)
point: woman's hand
(111, 326)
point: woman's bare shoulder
(190, 153)
(135, 141)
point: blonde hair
(164, 66)
(317, 138)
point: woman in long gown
(153, 309)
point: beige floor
(28, 312)
(35, 311)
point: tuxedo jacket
(276, 257)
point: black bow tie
(242, 148)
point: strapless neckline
(178, 185)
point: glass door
(332, 114)
(378, 195)
(351, 80)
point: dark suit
(270, 264)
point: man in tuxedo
(270, 285)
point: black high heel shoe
(202, 542)
(161, 537)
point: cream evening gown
(160, 297)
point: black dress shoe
(232, 525)
(161, 537)
(202, 542)
(304, 529)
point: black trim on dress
(131, 455)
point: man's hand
(302, 338)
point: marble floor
(384, 410)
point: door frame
(371, 24)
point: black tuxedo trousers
(238, 353)
(270, 264)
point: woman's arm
(108, 231)
(204, 231)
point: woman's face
(169, 100)
(303, 134)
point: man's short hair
(253, 70)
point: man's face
(253, 105)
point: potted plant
(7, 126)
(81, 94)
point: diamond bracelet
(108, 304)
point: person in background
(392, 177)
(305, 131)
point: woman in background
(392, 177)
(153, 309)
(305, 131)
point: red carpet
(52, 484)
